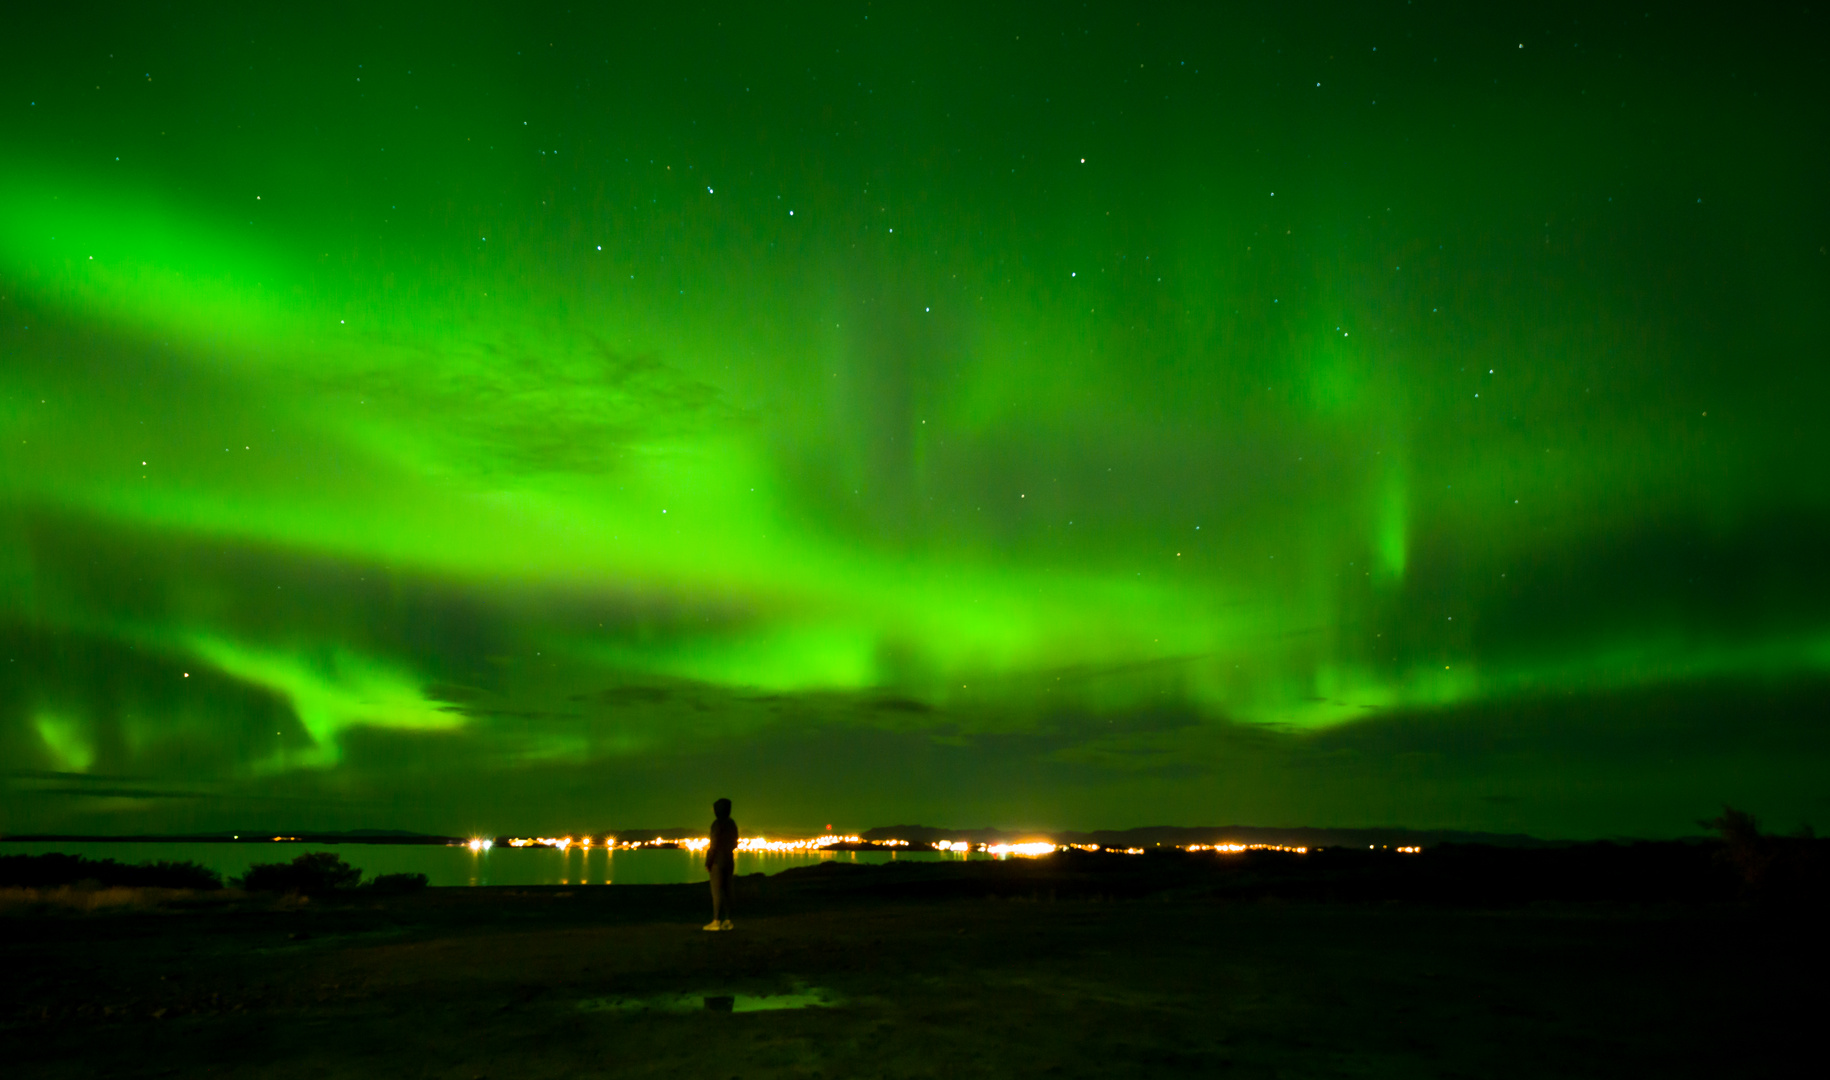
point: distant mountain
(353, 836)
(1182, 835)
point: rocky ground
(1055, 968)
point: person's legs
(721, 893)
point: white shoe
(726, 925)
(715, 925)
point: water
(461, 866)
(716, 1001)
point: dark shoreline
(1781, 870)
(244, 838)
(1258, 964)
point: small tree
(314, 873)
(179, 875)
(1744, 848)
(395, 884)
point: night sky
(536, 417)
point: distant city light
(1029, 850)
(1234, 848)
(823, 843)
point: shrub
(177, 875)
(314, 873)
(1750, 853)
(395, 884)
(55, 869)
(1789, 869)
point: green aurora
(1062, 416)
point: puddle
(812, 997)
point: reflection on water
(639, 866)
(812, 997)
(460, 865)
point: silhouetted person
(721, 864)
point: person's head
(722, 808)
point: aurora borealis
(535, 418)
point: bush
(177, 875)
(56, 868)
(314, 873)
(395, 884)
(1750, 853)
(1785, 868)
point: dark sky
(527, 417)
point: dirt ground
(990, 972)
